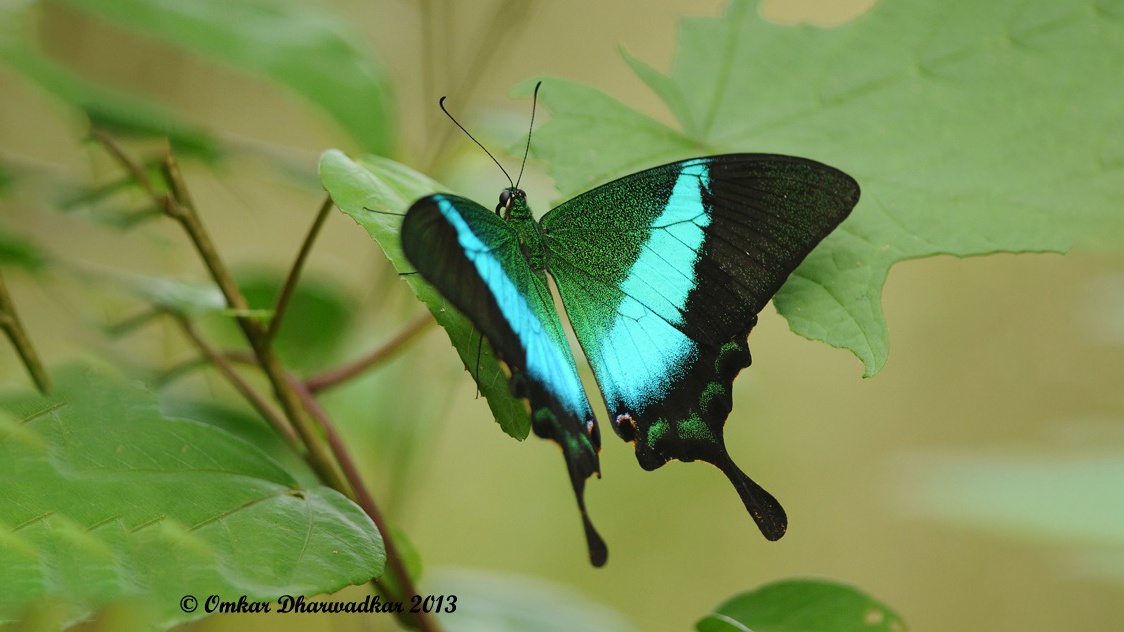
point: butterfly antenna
(534, 102)
(441, 104)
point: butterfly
(661, 273)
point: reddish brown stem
(336, 376)
(295, 271)
(222, 363)
(397, 567)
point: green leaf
(104, 499)
(494, 601)
(19, 252)
(5, 180)
(302, 47)
(1003, 491)
(315, 322)
(802, 605)
(190, 298)
(245, 424)
(411, 560)
(111, 109)
(973, 128)
(113, 202)
(106, 108)
(388, 188)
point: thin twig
(245, 357)
(10, 323)
(175, 372)
(392, 346)
(397, 567)
(126, 325)
(303, 413)
(223, 365)
(123, 159)
(181, 208)
(295, 271)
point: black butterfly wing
(473, 258)
(663, 272)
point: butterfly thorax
(514, 209)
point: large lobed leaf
(104, 499)
(972, 127)
(375, 192)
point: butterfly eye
(505, 198)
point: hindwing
(662, 274)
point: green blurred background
(977, 482)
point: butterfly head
(513, 202)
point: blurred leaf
(411, 556)
(303, 47)
(389, 188)
(318, 316)
(107, 109)
(115, 111)
(393, 431)
(5, 180)
(189, 298)
(1040, 494)
(411, 559)
(1101, 310)
(19, 252)
(105, 499)
(71, 197)
(972, 127)
(315, 322)
(802, 605)
(495, 602)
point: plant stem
(392, 346)
(300, 408)
(123, 159)
(397, 568)
(10, 323)
(295, 271)
(180, 207)
(222, 363)
(126, 325)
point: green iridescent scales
(485, 266)
(662, 274)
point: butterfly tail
(765, 510)
(580, 470)
(598, 552)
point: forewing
(473, 258)
(663, 273)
